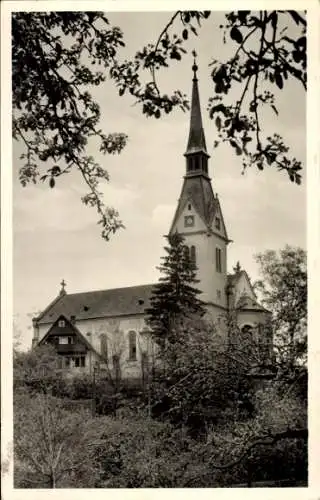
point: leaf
(301, 42)
(296, 56)
(274, 109)
(52, 182)
(295, 16)
(121, 92)
(236, 34)
(56, 170)
(194, 31)
(236, 146)
(218, 122)
(185, 34)
(278, 80)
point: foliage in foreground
(218, 429)
(59, 57)
(58, 448)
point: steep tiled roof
(98, 304)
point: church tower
(198, 215)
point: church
(107, 327)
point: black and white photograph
(159, 247)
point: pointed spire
(196, 140)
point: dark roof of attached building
(126, 301)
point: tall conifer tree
(175, 297)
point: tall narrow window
(218, 260)
(132, 346)
(217, 223)
(104, 345)
(186, 252)
(193, 255)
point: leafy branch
(275, 58)
(53, 58)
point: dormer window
(217, 223)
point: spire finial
(63, 286)
(194, 67)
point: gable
(197, 190)
(62, 327)
(79, 343)
(189, 219)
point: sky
(56, 237)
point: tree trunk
(52, 480)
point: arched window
(104, 345)
(193, 255)
(186, 252)
(132, 346)
(247, 329)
